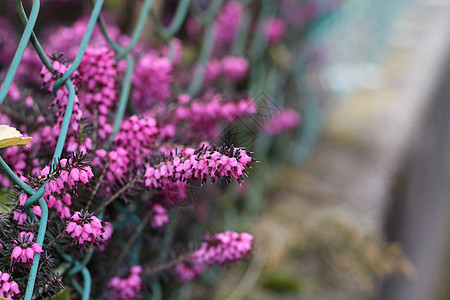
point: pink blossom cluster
(116, 161)
(160, 216)
(25, 248)
(19, 214)
(137, 136)
(67, 173)
(19, 159)
(205, 115)
(67, 39)
(46, 137)
(84, 227)
(227, 23)
(187, 271)
(14, 92)
(75, 142)
(213, 70)
(8, 287)
(49, 134)
(98, 73)
(67, 176)
(222, 248)
(105, 238)
(235, 68)
(127, 288)
(151, 80)
(62, 94)
(274, 30)
(173, 51)
(157, 121)
(192, 164)
(285, 120)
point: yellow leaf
(10, 136)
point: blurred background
(360, 208)
(354, 202)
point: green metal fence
(286, 86)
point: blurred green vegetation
(4, 198)
(282, 281)
(344, 255)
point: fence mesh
(322, 32)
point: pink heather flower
(222, 248)
(29, 101)
(8, 287)
(84, 227)
(19, 214)
(18, 158)
(66, 177)
(173, 50)
(199, 164)
(62, 94)
(274, 30)
(118, 163)
(98, 71)
(235, 68)
(285, 120)
(227, 23)
(151, 80)
(74, 143)
(186, 272)
(129, 287)
(137, 135)
(160, 216)
(105, 238)
(25, 248)
(205, 116)
(37, 210)
(213, 70)
(14, 92)
(48, 135)
(184, 98)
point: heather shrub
(128, 155)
